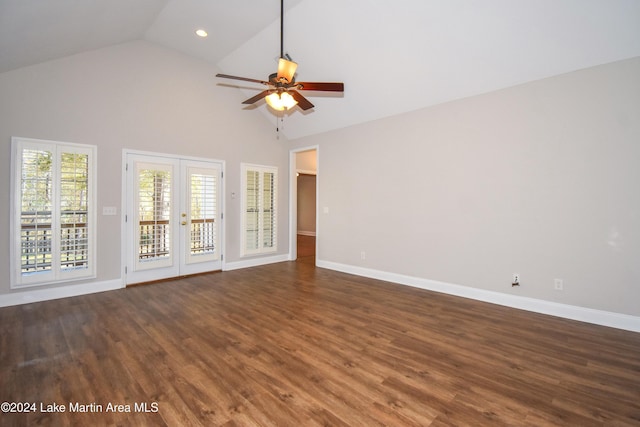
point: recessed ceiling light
(201, 33)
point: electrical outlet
(363, 255)
(516, 280)
(558, 284)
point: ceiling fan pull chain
(279, 118)
(277, 127)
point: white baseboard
(307, 233)
(589, 315)
(37, 295)
(254, 262)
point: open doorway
(304, 204)
(306, 232)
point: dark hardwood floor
(293, 345)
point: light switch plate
(109, 210)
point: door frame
(293, 200)
(124, 204)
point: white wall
(540, 179)
(307, 161)
(136, 96)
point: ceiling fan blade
(258, 97)
(286, 69)
(327, 87)
(302, 101)
(227, 76)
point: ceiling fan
(282, 92)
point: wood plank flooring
(306, 246)
(292, 345)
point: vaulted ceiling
(393, 56)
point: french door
(173, 217)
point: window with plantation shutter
(259, 214)
(53, 212)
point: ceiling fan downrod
(282, 28)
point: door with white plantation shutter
(200, 217)
(173, 217)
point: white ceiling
(393, 56)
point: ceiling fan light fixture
(281, 101)
(286, 70)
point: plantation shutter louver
(203, 212)
(154, 199)
(36, 211)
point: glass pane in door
(154, 213)
(203, 228)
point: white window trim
(246, 167)
(17, 280)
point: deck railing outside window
(36, 238)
